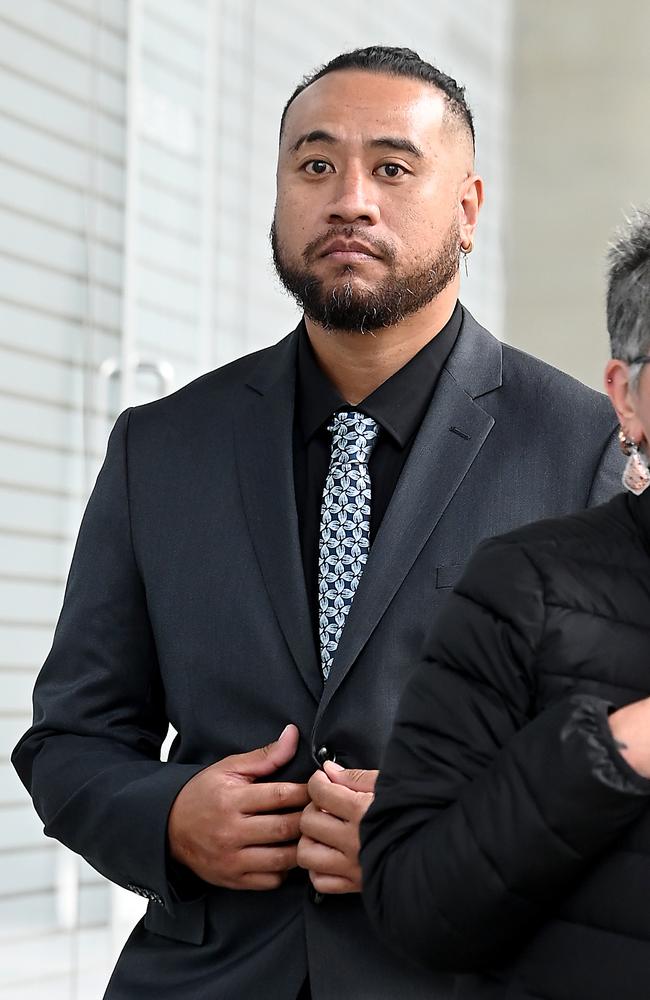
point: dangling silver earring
(636, 474)
(466, 249)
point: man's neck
(357, 364)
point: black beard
(345, 308)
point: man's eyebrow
(397, 142)
(317, 135)
(382, 141)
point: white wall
(580, 149)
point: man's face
(369, 207)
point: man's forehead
(361, 98)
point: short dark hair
(628, 289)
(395, 62)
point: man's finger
(331, 884)
(265, 760)
(319, 857)
(357, 779)
(335, 799)
(261, 881)
(268, 859)
(270, 797)
(260, 830)
(325, 828)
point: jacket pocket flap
(186, 922)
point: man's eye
(318, 167)
(391, 170)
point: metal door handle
(164, 371)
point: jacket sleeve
(91, 759)
(484, 815)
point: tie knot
(354, 436)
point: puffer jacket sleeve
(485, 815)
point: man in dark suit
(265, 550)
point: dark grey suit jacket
(186, 604)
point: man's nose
(354, 199)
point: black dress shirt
(397, 405)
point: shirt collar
(398, 404)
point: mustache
(315, 247)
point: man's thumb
(265, 760)
(357, 779)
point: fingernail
(283, 731)
(333, 765)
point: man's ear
(471, 199)
(621, 394)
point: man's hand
(329, 845)
(630, 728)
(228, 830)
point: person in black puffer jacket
(509, 840)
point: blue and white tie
(344, 526)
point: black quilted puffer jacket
(509, 841)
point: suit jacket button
(323, 754)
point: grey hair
(628, 291)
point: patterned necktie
(344, 526)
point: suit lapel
(264, 448)
(453, 431)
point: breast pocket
(447, 576)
